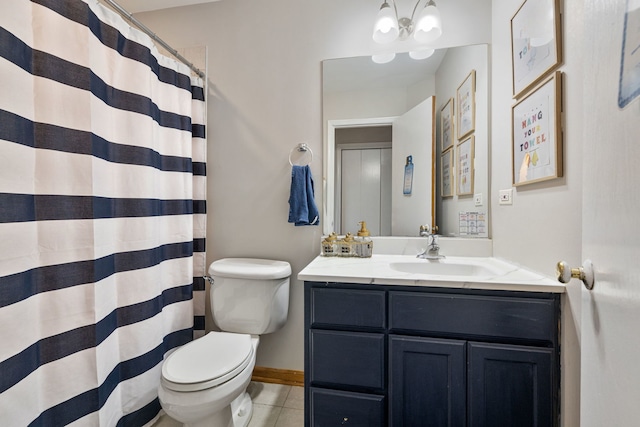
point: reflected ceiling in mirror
(361, 73)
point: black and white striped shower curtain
(102, 215)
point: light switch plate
(506, 196)
(477, 198)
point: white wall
(364, 104)
(544, 224)
(264, 97)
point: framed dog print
(535, 43)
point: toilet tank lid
(250, 268)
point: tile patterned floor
(274, 405)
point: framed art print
(535, 43)
(537, 133)
(446, 125)
(629, 84)
(447, 174)
(466, 103)
(464, 166)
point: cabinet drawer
(530, 319)
(340, 408)
(347, 359)
(348, 307)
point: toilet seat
(207, 362)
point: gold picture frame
(465, 166)
(447, 125)
(466, 106)
(536, 47)
(536, 144)
(447, 174)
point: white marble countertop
(407, 270)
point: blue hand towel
(302, 206)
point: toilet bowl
(204, 382)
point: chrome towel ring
(300, 155)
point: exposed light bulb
(385, 29)
(429, 24)
(383, 58)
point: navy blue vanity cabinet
(402, 356)
(345, 356)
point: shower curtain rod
(123, 12)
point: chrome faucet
(433, 250)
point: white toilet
(204, 382)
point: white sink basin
(445, 268)
(407, 270)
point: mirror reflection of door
(413, 135)
(369, 184)
(363, 178)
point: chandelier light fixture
(424, 28)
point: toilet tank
(249, 295)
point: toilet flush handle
(208, 279)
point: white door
(365, 182)
(610, 326)
(413, 135)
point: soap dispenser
(363, 245)
(329, 247)
(345, 246)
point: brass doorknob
(584, 273)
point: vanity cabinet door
(427, 382)
(511, 385)
(334, 408)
